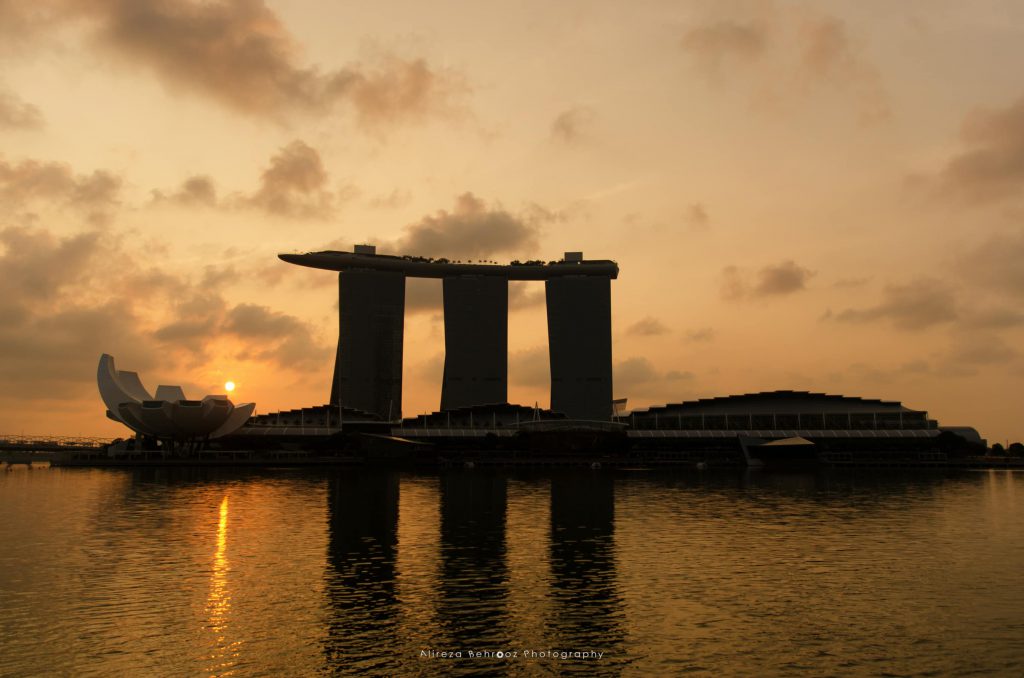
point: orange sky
(808, 195)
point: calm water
(287, 573)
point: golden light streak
(218, 602)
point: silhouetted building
(580, 346)
(475, 341)
(368, 367)
(371, 305)
(782, 410)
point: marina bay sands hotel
(371, 309)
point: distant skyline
(821, 196)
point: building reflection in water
(218, 602)
(473, 603)
(360, 576)
(587, 608)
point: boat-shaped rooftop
(365, 257)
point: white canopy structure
(170, 415)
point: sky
(822, 196)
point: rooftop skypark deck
(424, 267)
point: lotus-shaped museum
(168, 415)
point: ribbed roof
(779, 402)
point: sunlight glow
(229, 386)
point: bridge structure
(371, 313)
(26, 449)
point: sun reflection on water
(218, 603)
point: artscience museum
(168, 415)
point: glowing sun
(229, 386)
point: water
(279, 573)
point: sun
(229, 386)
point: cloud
(530, 367)
(703, 334)
(981, 349)
(524, 294)
(423, 295)
(397, 90)
(991, 165)
(240, 54)
(195, 191)
(720, 42)
(992, 317)
(470, 230)
(790, 53)
(996, 264)
(919, 304)
(32, 180)
(784, 278)
(573, 125)
(37, 266)
(393, 200)
(639, 379)
(773, 280)
(647, 327)
(67, 299)
(696, 217)
(294, 184)
(828, 55)
(18, 114)
(276, 337)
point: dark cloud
(992, 317)
(276, 337)
(784, 278)
(471, 230)
(65, 300)
(713, 44)
(53, 325)
(523, 294)
(639, 379)
(52, 182)
(702, 334)
(194, 191)
(573, 125)
(997, 264)
(991, 166)
(294, 184)
(37, 265)
(981, 349)
(396, 90)
(52, 355)
(875, 374)
(696, 217)
(773, 280)
(423, 295)
(647, 327)
(917, 305)
(633, 372)
(16, 113)
(239, 53)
